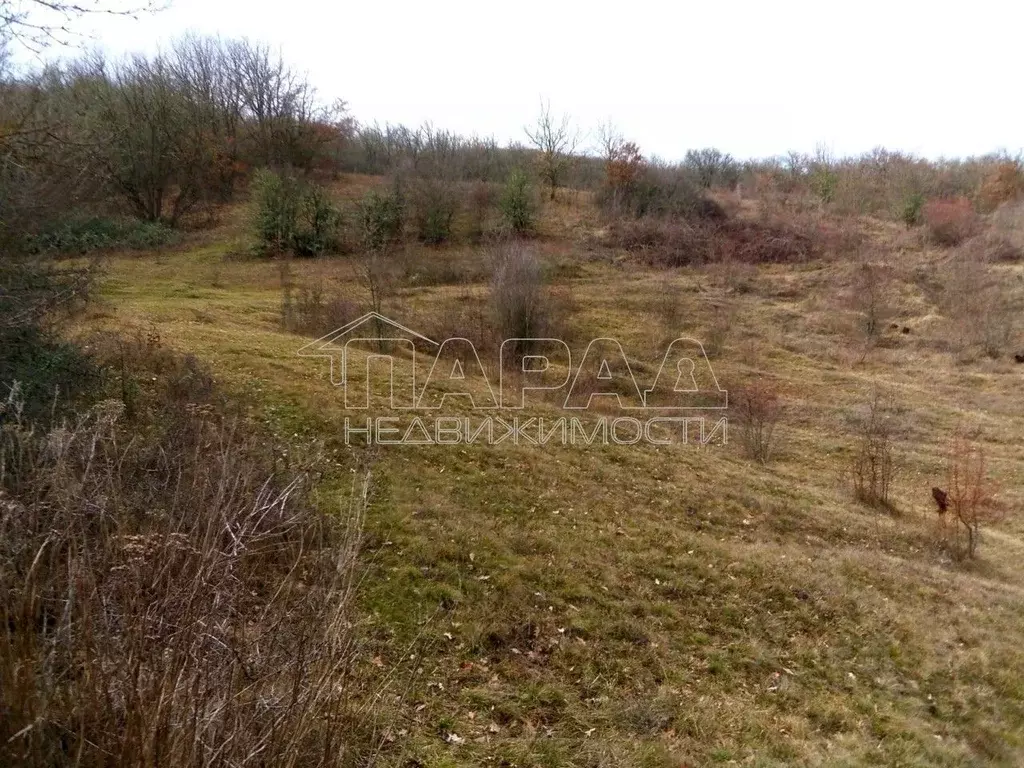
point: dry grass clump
(167, 598)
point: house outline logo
(329, 346)
(684, 371)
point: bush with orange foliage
(1003, 184)
(624, 166)
(949, 221)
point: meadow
(651, 605)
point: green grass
(652, 606)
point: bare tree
(38, 24)
(557, 141)
(875, 463)
(971, 496)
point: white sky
(753, 78)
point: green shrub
(44, 374)
(292, 216)
(824, 183)
(911, 211)
(435, 204)
(382, 218)
(517, 208)
(276, 200)
(318, 222)
(84, 235)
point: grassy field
(648, 605)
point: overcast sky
(752, 78)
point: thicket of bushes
(80, 235)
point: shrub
(911, 209)
(435, 204)
(517, 293)
(382, 218)
(759, 409)
(167, 593)
(517, 204)
(662, 191)
(36, 293)
(676, 242)
(873, 465)
(1004, 183)
(311, 311)
(1005, 235)
(980, 307)
(970, 499)
(624, 165)
(718, 330)
(317, 233)
(664, 242)
(277, 200)
(949, 221)
(85, 235)
(872, 297)
(824, 183)
(291, 216)
(481, 201)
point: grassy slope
(654, 606)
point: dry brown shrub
(674, 242)
(872, 296)
(970, 497)
(724, 315)
(767, 241)
(665, 242)
(982, 311)
(522, 305)
(170, 600)
(481, 204)
(874, 464)
(949, 221)
(1003, 184)
(758, 407)
(314, 311)
(1005, 234)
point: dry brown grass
(168, 598)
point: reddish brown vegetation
(759, 408)
(1003, 183)
(950, 222)
(677, 242)
(971, 498)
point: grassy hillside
(648, 605)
